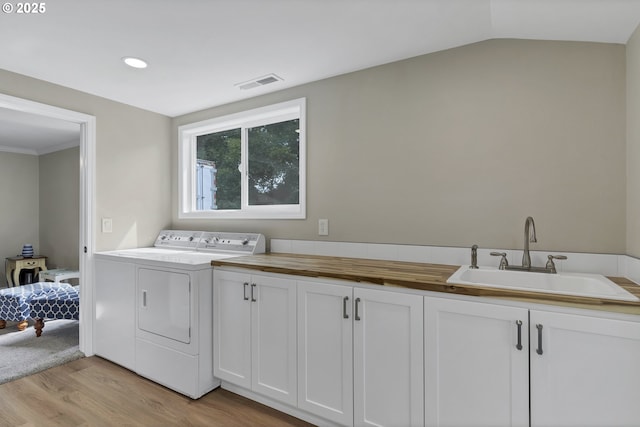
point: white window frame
(187, 138)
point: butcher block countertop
(426, 277)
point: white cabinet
(484, 368)
(355, 355)
(255, 333)
(388, 354)
(360, 355)
(325, 351)
(232, 328)
(273, 338)
(114, 327)
(476, 364)
(585, 371)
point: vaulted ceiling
(200, 51)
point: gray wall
(59, 189)
(19, 213)
(459, 147)
(132, 160)
(41, 206)
(633, 144)
(451, 148)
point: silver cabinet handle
(539, 349)
(344, 307)
(519, 345)
(253, 286)
(356, 315)
(144, 299)
(244, 291)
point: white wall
(459, 147)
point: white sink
(577, 284)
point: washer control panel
(179, 239)
(212, 241)
(242, 243)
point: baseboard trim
(289, 410)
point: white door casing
(87, 203)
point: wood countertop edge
(420, 276)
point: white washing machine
(154, 306)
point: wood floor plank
(94, 392)
(144, 398)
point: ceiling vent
(260, 81)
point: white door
(325, 351)
(476, 364)
(232, 327)
(388, 358)
(584, 371)
(273, 338)
(164, 304)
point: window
(245, 165)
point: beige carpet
(22, 353)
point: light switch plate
(323, 227)
(107, 225)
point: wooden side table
(15, 264)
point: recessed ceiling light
(134, 62)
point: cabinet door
(325, 351)
(388, 358)
(588, 373)
(476, 374)
(232, 328)
(114, 334)
(273, 338)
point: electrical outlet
(107, 225)
(323, 227)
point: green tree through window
(245, 165)
(224, 148)
(273, 164)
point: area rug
(22, 353)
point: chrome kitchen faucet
(529, 237)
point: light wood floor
(94, 392)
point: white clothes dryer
(154, 306)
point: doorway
(87, 202)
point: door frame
(87, 202)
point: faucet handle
(503, 261)
(474, 257)
(551, 266)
